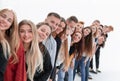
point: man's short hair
(54, 14)
(73, 18)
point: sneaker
(98, 71)
(90, 77)
(79, 74)
(92, 71)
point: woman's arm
(70, 59)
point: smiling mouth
(41, 37)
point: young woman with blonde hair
(15, 69)
(34, 58)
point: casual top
(61, 55)
(47, 66)
(16, 72)
(58, 41)
(3, 63)
(53, 72)
(51, 45)
(72, 49)
(85, 55)
(69, 42)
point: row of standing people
(99, 36)
(30, 52)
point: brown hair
(88, 42)
(81, 22)
(72, 18)
(111, 28)
(79, 46)
(54, 14)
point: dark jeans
(66, 76)
(97, 57)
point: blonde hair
(34, 58)
(12, 35)
(5, 46)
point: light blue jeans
(70, 72)
(61, 75)
(84, 69)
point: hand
(15, 59)
(65, 68)
(72, 65)
(50, 80)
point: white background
(107, 11)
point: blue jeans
(70, 72)
(75, 68)
(61, 75)
(87, 70)
(84, 69)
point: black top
(3, 63)
(47, 66)
(72, 49)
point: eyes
(87, 30)
(94, 29)
(53, 22)
(4, 16)
(44, 30)
(60, 26)
(25, 31)
(78, 35)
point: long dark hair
(79, 46)
(88, 42)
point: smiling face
(71, 26)
(43, 31)
(26, 34)
(60, 28)
(65, 35)
(86, 31)
(94, 29)
(53, 22)
(79, 27)
(99, 32)
(6, 20)
(76, 37)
